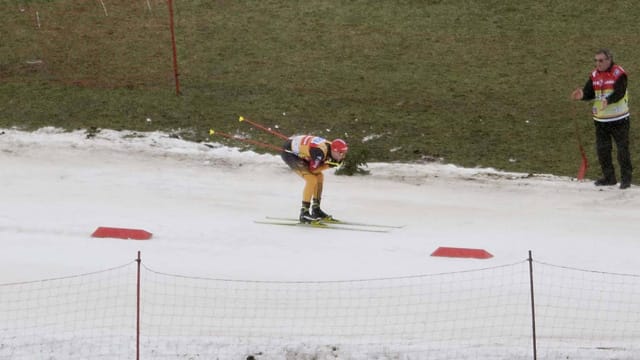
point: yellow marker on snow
(241, 119)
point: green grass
(477, 83)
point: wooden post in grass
(173, 47)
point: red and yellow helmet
(339, 145)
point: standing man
(308, 156)
(607, 87)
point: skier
(308, 156)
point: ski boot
(319, 214)
(306, 217)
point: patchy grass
(477, 83)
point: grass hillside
(476, 83)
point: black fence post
(533, 308)
(138, 260)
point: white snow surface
(200, 203)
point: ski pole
(270, 131)
(248, 141)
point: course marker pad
(462, 253)
(120, 233)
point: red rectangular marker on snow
(461, 253)
(121, 233)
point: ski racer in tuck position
(308, 156)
